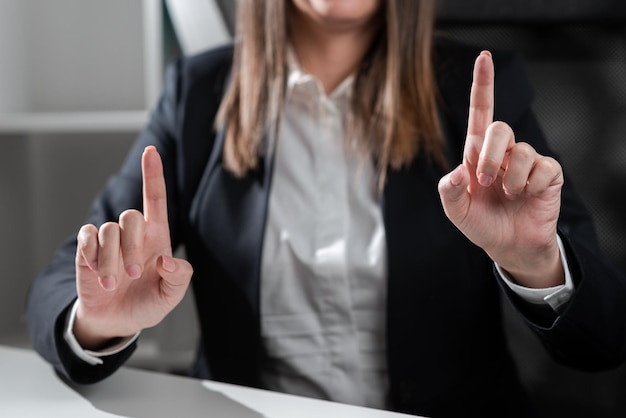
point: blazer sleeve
(589, 333)
(54, 289)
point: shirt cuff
(555, 296)
(92, 357)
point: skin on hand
(126, 276)
(505, 197)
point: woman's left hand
(505, 197)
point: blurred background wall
(77, 81)
(72, 95)
(78, 78)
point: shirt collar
(300, 82)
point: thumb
(176, 274)
(453, 192)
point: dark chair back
(575, 54)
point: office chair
(575, 55)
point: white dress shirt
(323, 287)
(323, 272)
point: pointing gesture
(505, 197)
(126, 277)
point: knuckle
(549, 165)
(500, 128)
(109, 226)
(130, 222)
(85, 234)
(130, 215)
(186, 271)
(188, 267)
(109, 231)
(523, 150)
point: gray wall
(46, 184)
(16, 232)
(57, 56)
(69, 56)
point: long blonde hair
(393, 116)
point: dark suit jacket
(447, 352)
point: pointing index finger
(154, 193)
(481, 105)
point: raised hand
(505, 197)
(126, 277)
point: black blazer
(447, 352)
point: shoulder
(454, 63)
(208, 68)
(208, 62)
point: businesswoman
(354, 195)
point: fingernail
(168, 264)
(108, 282)
(133, 271)
(510, 195)
(456, 177)
(93, 264)
(485, 180)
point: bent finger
(108, 255)
(522, 158)
(453, 193)
(175, 273)
(545, 173)
(132, 229)
(87, 247)
(499, 138)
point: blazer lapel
(230, 215)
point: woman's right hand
(126, 277)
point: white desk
(30, 388)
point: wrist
(539, 269)
(89, 335)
